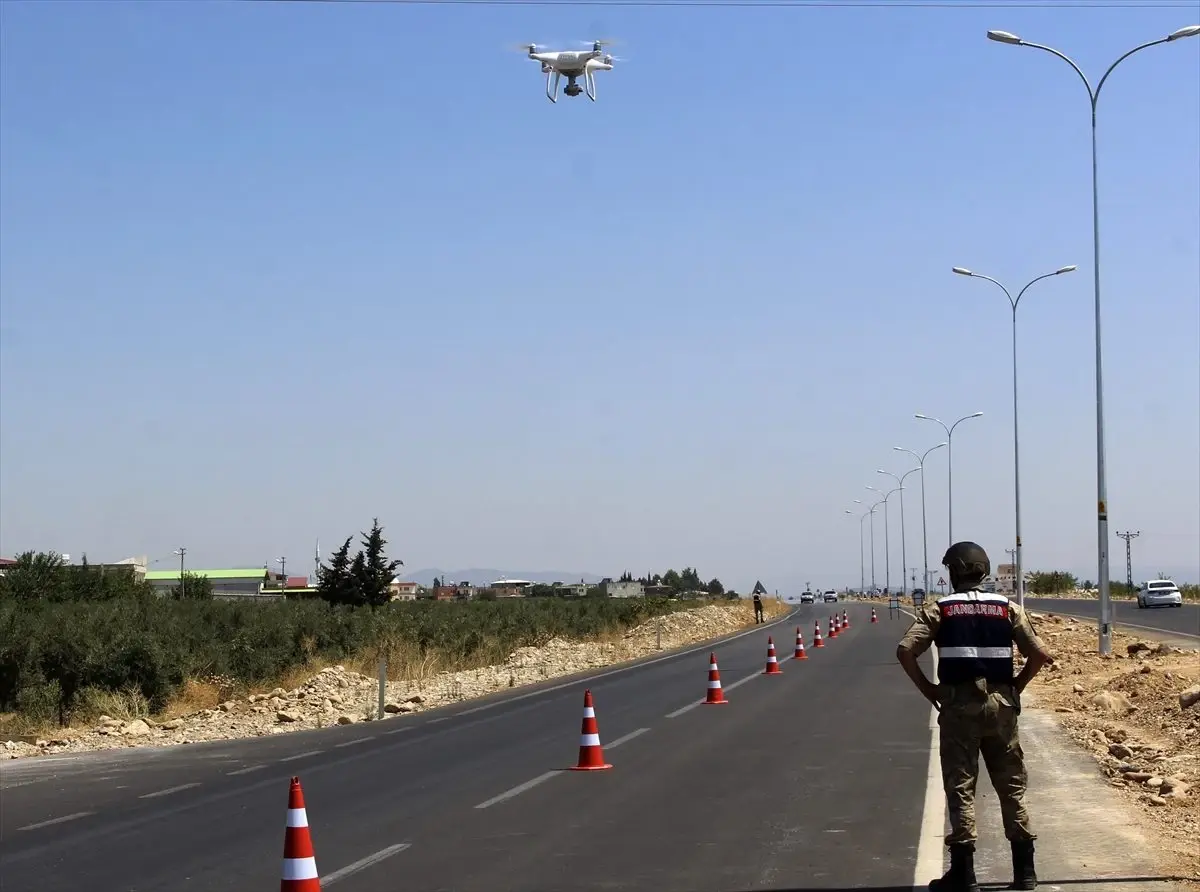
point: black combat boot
(1024, 875)
(961, 875)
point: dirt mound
(1136, 711)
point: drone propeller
(598, 44)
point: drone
(571, 64)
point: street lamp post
(1101, 471)
(887, 548)
(872, 513)
(903, 541)
(950, 465)
(1014, 303)
(924, 530)
(862, 554)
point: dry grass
(405, 662)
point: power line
(778, 4)
(1129, 537)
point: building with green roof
(248, 582)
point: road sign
(941, 581)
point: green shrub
(57, 656)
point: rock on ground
(1133, 711)
(337, 695)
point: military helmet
(967, 559)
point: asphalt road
(1183, 620)
(810, 780)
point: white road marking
(363, 863)
(245, 770)
(542, 778)
(352, 742)
(628, 737)
(725, 687)
(441, 718)
(519, 789)
(587, 679)
(302, 755)
(168, 791)
(62, 820)
(930, 845)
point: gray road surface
(811, 780)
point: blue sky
(270, 270)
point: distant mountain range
(485, 576)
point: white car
(807, 598)
(1159, 593)
(829, 596)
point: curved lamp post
(887, 556)
(1101, 470)
(1014, 303)
(924, 530)
(949, 464)
(903, 542)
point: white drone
(572, 64)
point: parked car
(807, 598)
(830, 596)
(1159, 593)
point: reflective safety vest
(974, 638)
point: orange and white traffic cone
(845, 620)
(299, 863)
(772, 662)
(832, 628)
(715, 696)
(817, 642)
(591, 755)
(799, 654)
(874, 618)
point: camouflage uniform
(979, 717)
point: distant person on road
(758, 610)
(978, 701)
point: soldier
(978, 701)
(758, 609)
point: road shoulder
(1088, 834)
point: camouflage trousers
(982, 719)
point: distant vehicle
(807, 598)
(830, 596)
(1159, 593)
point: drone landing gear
(571, 89)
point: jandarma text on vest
(975, 608)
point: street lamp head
(881, 471)
(858, 501)
(847, 511)
(962, 271)
(1004, 37)
(976, 415)
(1189, 31)
(926, 417)
(1066, 269)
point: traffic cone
(817, 642)
(799, 654)
(715, 695)
(772, 663)
(299, 864)
(832, 628)
(874, 618)
(845, 619)
(591, 755)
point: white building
(622, 589)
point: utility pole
(181, 551)
(282, 561)
(1012, 560)
(1129, 537)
